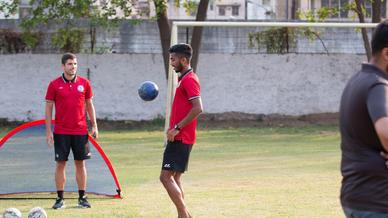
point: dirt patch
(221, 120)
(237, 120)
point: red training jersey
(188, 89)
(70, 98)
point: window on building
(368, 9)
(221, 10)
(211, 7)
(340, 5)
(344, 13)
(235, 10)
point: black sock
(60, 194)
(81, 193)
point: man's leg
(177, 178)
(60, 179)
(174, 191)
(81, 177)
(60, 175)
(80, 174)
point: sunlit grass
(262, 172)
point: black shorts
(176, 156)
(78, 143)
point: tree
(376, 11)
(358, 7)
(67, 13)
(165, 29)
(360, 11)
(8, 8)
(293, 9)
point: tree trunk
(293, 9)
(92, 34)
(376, 11)
(164, 31)
(360, 5)
(196, 37)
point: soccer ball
(12, 213)
(37, 212)
(148, 91)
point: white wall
(260, 84)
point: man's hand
(94, 132)
(171, 134)
(50, 138)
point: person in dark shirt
(364, 134)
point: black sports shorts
(78, 143)
(176, 156)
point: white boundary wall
(289, 84)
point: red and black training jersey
(188, 89)
(69, 98)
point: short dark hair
(380, 37)
(68, 56)
(183, 49)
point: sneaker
(83, 202)
(59, 203)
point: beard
(179, 68)
(70, 72)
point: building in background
(239, 10)
(217, 10)
(343, 15)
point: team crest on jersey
(80, 88)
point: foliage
(275, 40)
(190, 6)
(68, 39)
(282, 40)
(9, 8)
(318, 15)
(16, 42)
(31, 39)
(160, 7)
(67, 13)
(359, 9)
(11, 42)
(323, 13)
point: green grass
(264, 172)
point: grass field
(246, 172)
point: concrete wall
(259, 84)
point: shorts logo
(57, 155)
(167, 166)
(80, 88)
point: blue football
(148, 91)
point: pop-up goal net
(27, 166)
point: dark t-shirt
(365, 176)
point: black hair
(182, 49)
(380, 37)
(68, 56)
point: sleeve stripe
(194, 97)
